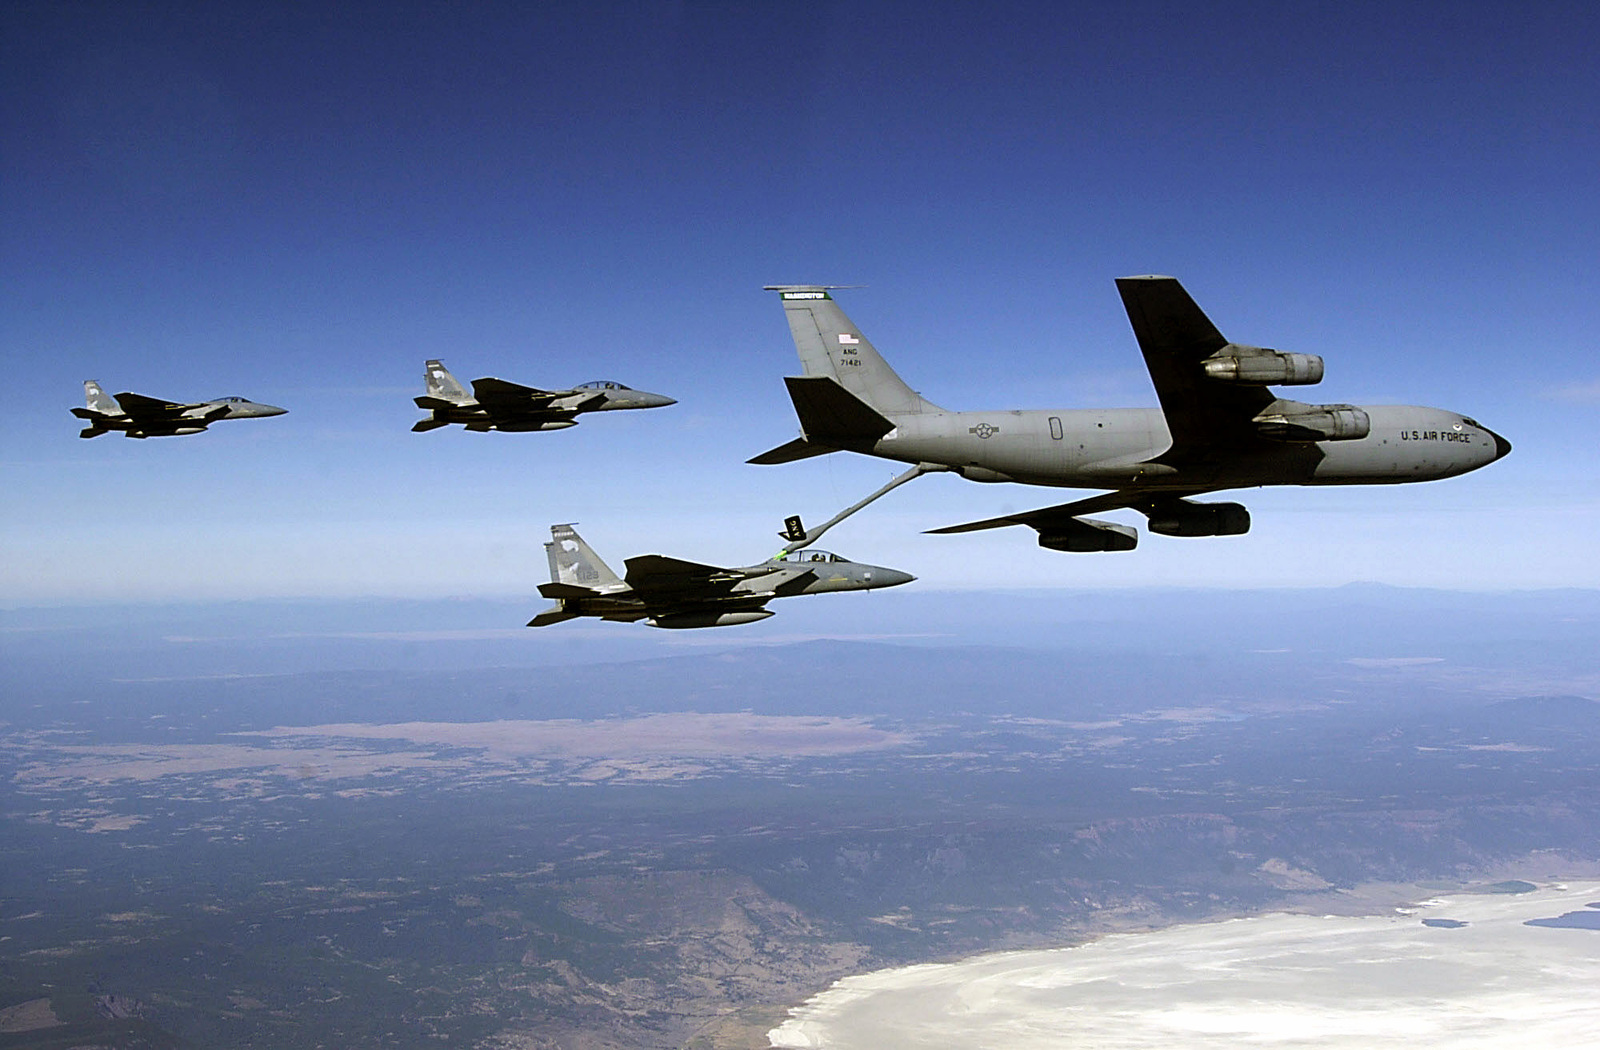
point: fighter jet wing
(1205, 417)
(657, 579)
(1044, 517)
(139, 405)
(497, 394)
(656, 576)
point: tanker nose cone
(1502, 447)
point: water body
(1308, 982)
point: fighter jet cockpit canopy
(815, 556)
(601, 384)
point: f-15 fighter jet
(495, 404)
(138, 416)
(666, 592)
(1219, 426)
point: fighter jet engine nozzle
(1181, 518)
(1294, 421)
(686, 620)
(1258, 366)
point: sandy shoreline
(1339, 969)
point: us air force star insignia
(983, 430)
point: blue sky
(300, 205)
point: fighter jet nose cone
(662, 401)
(892, 577)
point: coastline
(1498, 897)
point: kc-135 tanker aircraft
(138, 416)
(667, 592)
(1218, 427)
(495, 404)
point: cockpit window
(820, 556)
(601, 384)
(233, 399)
(1469, 421)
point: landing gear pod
(1182, 518)
(1088, 536)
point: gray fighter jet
(666, 592)
(1218, 427)
(495, 404)
(138, 416)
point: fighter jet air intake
(1218, 427)
(138, 416)
(666, 592)
(495, 404)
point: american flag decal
(847, 339)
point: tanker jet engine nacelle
(1237, 363)
(1297, 421)
(1182, 518)
(709, 619)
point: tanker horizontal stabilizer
(791, 451)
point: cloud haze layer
(1310, 982)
